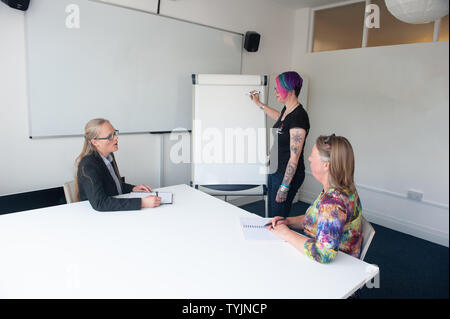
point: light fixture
(418, 11)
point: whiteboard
(129, 66)
(223, 112)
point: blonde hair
(338, 151)
(91, 131)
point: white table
(192, 249)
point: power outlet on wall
(415, 195)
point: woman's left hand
(281, 195)
(142, 189)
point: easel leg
(266, 205)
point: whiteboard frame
(166, 16)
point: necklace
(289, 110)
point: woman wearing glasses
(333, 222)
(291, 130)
(97, 175)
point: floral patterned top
(334, 221)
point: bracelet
(262, 107)
(286, 186)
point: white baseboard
(407, 227)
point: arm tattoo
(291, 168)
(297, 138)
(282, 196)
(290, 171)
(296, 149)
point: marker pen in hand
(270, 223)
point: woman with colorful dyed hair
(290, 132)
(333, 222)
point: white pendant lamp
(418, 11)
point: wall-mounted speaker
(251, 42)
(18, 4)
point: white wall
(393, 104)
(273, 21)
(27, 165)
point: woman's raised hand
(254, 96)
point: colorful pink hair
(287, 82)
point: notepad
(253, 229)
(166, 198)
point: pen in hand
(270, 223)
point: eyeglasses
(110, 137)
(327, 140)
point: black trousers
(274, 182)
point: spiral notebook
(254, 229)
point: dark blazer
(96, 184)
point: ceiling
(298, 4)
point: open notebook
(166, 198)
(253, 229)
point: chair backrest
(69, 192)
(367, 232)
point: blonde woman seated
(333, 221)
(97, 175)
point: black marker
(270, 223)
